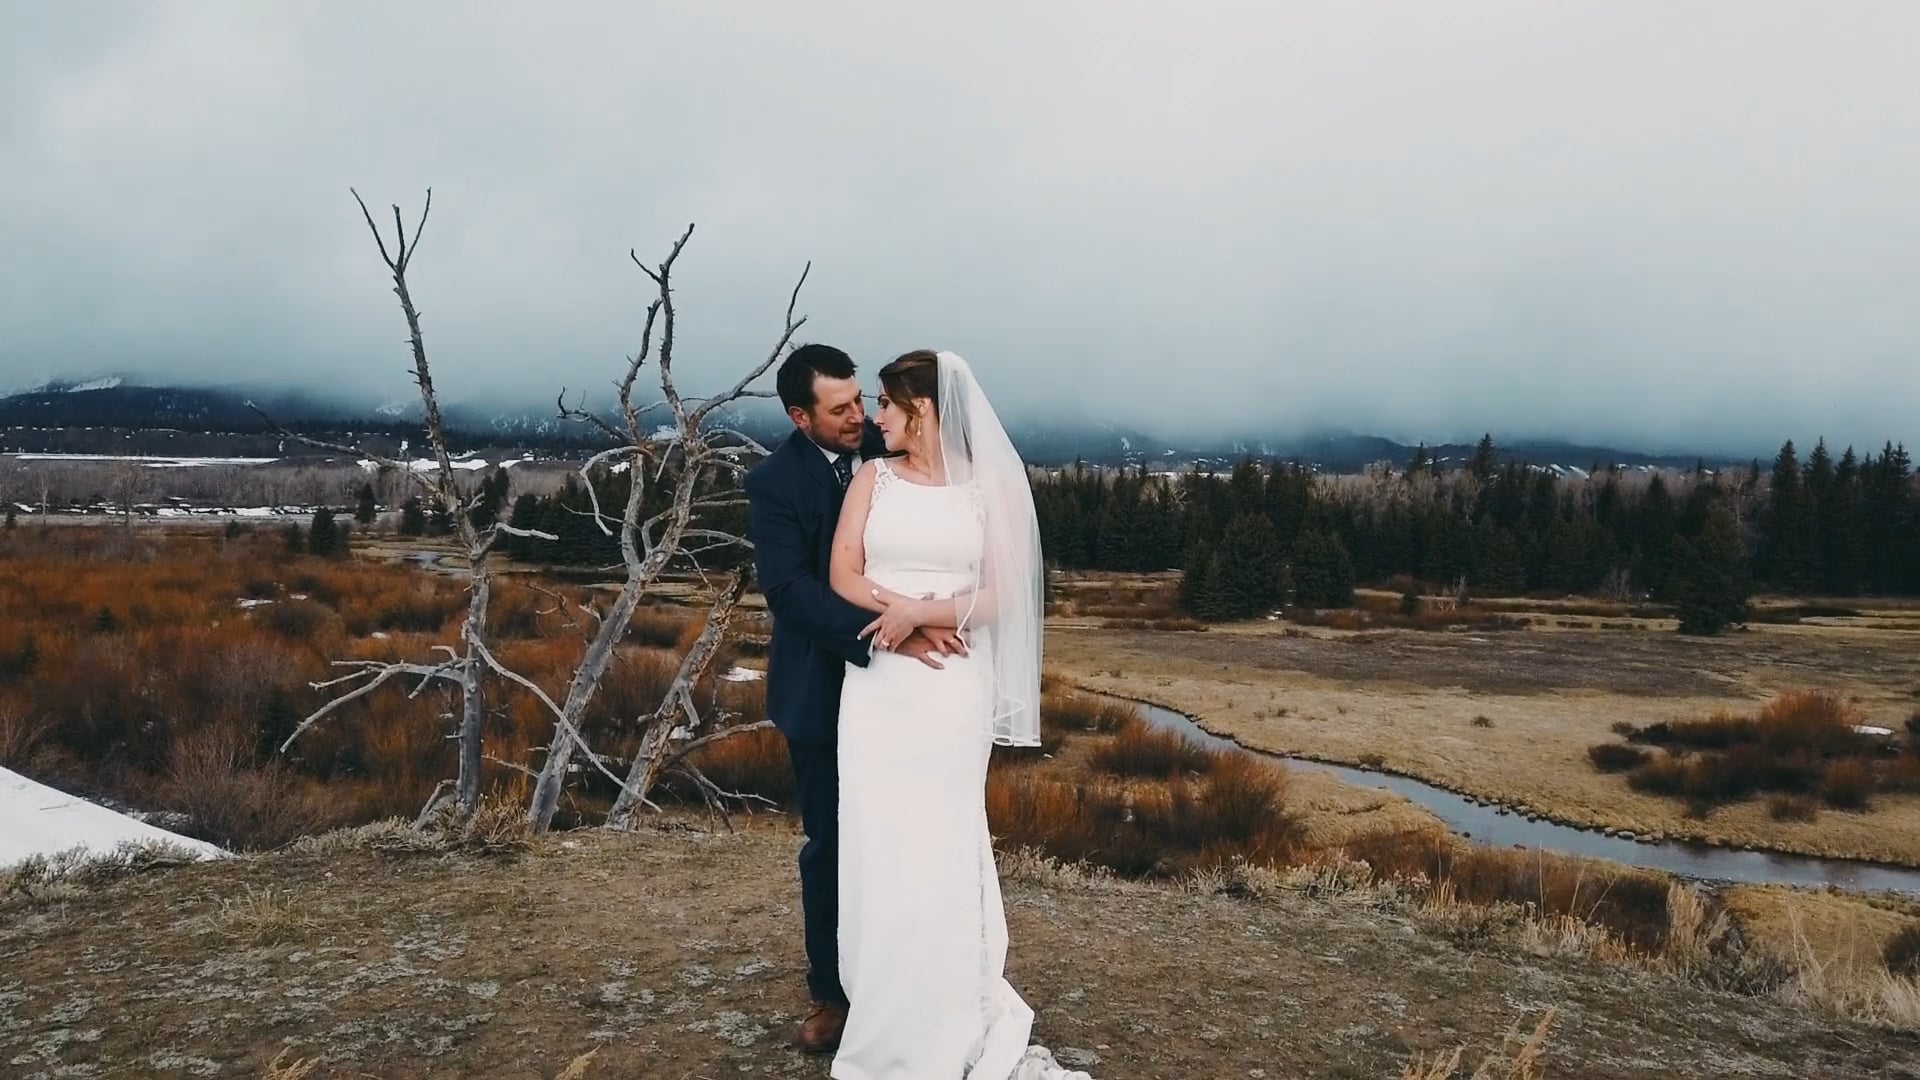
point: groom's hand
(921, 647)
(946, 642)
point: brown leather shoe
(820, 1031)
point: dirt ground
(675, 953)
(1508, 716)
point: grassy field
(1508, 716)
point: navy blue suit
(793, 501)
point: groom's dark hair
(802, 366)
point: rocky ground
(675, 952)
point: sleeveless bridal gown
(923, 936)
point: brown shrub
(1806, 720)
(659, 628)
(234, 803)
(23, 744)
(1902, 952)
(751, 763)
(1848, 784)
(1139, 750)
(514, 613)
(1903, 773)
(1792, 808)
(1147, 829)
(1614, 757)
(1073, 711)
(1800, 743)
(296, 620)
(1631, 904)
(1714, 733)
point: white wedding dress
(923, 936)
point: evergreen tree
(1710, 580)
(1842, 529)
(491, 497)
(413, 517)
(13, 521)
(323, 536)
(1790, 536)
(1499, 563)
(1420, 464)
(526, 515)
(366, 508)
(295, 539)
(1322, 571)
(1194, 583)
(1485, 459)
(1246, 489)
(1653, 537)
(1245, 567)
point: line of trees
(1270, 533)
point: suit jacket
(793, 506)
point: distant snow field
(38, 820)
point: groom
(793, 500)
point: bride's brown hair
(912, 376)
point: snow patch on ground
(38, 820)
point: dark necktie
(843, 470)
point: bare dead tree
(698, 451)
(126, 484)
(467, 669)
(684, 462)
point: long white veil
(1008, 583)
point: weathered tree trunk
(657, 740)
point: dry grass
(260, 917)
(297, 1069)
(1522, 1056)
(1872, 995)
(1901, 954)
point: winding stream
(1502, 827)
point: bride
(941, 535)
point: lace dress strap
(883, 475)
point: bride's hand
(895, 624)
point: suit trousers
(816, 770)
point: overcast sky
(1688, 225)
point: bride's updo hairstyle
(915, 377)
(911, 378)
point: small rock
(1075, 1058)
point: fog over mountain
(1636, 223)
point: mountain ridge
(30, 418)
